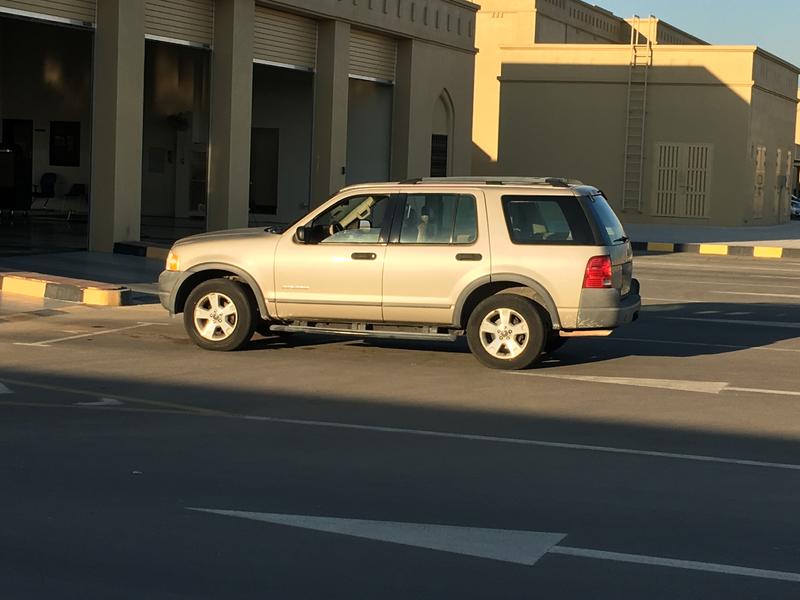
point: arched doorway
(442, 136)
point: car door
(439, 246)
(335, 273)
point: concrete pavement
(677, 439)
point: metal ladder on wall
(636, 117)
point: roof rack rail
(552, 181)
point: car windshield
(611, 227)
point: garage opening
(174, 140)
(369, 131)
(45, 135)
(280, 148)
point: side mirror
(302, 235)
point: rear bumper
(605, 309)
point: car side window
(355, 220)
(439, 219)
(546, 220)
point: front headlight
(173, 262)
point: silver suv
(519, 265)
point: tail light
(598, 273)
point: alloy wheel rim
(215, 317)
(504, 333)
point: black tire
(531, 344)
(554, 342)
(240, 324)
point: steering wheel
(335, 228)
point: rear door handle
(475, 257)
(363, 256)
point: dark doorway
(264, 152)
(18, 136)
(369, 131)
(438, 155)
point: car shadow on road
(679, 330)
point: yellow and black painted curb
(141, 249)
(717, 250)
(64, 288)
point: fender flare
(241, 273)
(542, 295)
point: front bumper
(168, 284)
(605, 309)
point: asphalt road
(663, 462)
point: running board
(586, 333)
(368, 333)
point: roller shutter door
(74, 11)
(284, 39)
(372, 56)
(188, 21)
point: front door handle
(363, 256)
(474, 257)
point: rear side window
(611, 228)
(547, 220)
(439, 219)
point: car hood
(225, 235)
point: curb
(141, 249)
(64, 288)
(717, 250)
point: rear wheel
(506, 331)
(219, 315)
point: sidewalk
(138, 274)
(778, 241)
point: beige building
(173, 114)
(674, 130)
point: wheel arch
(508, 283)
(204, 272)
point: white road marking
(711, 282)
(203, 412)
(779, 324)
(754, 294)
(761, 391)
(101, 402)
(5, 390)
(674, 300)
(505, 545)
(520, 442)
(700, 387)
(689, 565)
(46, 343)
(701, 344)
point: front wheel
(219, 315)
(506, 331)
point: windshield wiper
(621, 240)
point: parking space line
(103, 395)
(202, 412)
(524, 442)
(712, 282)
(690, 565)
(780, 324)
(700, 344)
(47, 343)
(754, 294)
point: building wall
(51, 71)
(431, 72)
(773, 118)
(563, 113)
